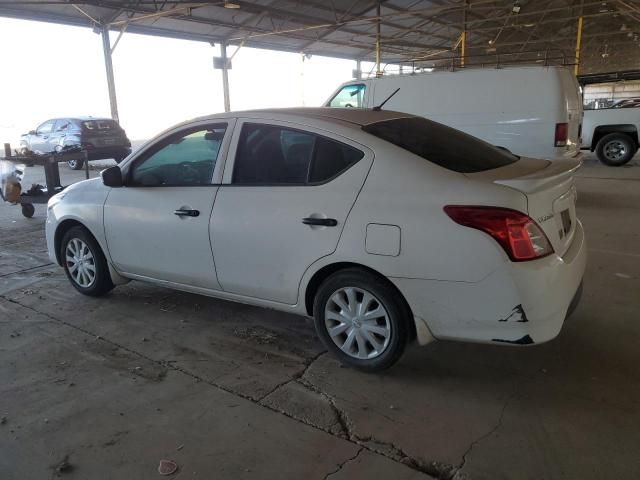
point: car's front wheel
(84, 263)
(362, 319)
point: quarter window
(187, 158)
(273, 155)
(350, 96)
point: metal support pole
(576, 68)
(358, 70)
(463, 39)
(378, 69)
(225, 77)
(106, 47)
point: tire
(349, 287)
(28, 210)
(75, 164)
(616, 149)
(79, 240)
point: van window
(442, 145)
(349, 96)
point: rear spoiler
(556, 172)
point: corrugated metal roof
(413, 32)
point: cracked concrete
(248, 393)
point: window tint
(185, 159)
(442, 145)
(275, 155)
(349, 96)
(45, 128)
(331, 158)
(271, 155)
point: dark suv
(100, 137)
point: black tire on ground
(75, 164)
(28, 210)
(101, 283)
(385, 295)
(616, 149)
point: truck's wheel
(616, 149)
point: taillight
(562, 134)
(520, 237)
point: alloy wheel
(615, 150)
(357, 322)
(80, 263)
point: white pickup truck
(612, 133)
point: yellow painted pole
(578, 41)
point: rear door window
(442, 145)
(274, 155)
(349, 96)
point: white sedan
(385, 227)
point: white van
(533, 111)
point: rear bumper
(517, 304)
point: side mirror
(112, 177)
(31, 132)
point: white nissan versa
(383, 226)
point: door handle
(324, 222)
(184, 212)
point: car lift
(37, 194)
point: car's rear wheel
(615, 149)
(361, 319)
(84, 263)
(75, 164)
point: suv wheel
(615, 149)
(361, 319)
(75, 164)
(84, 263)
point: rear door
(286, 195)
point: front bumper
(517, 304)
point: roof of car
(357, 116)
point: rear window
(100, 125)
(442, 145)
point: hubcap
(80, 263)
(72, 163)
(357, 323)
(615, 150)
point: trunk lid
(103, 133)
(550, 192)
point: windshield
(442, 145)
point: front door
(40, 141)
(282, 206)
(157, 226)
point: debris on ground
(167, 467)
(257, 334)
(3, 420)
(64, 466)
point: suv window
(349, 96)
(45, 128)
(273, 155)
(187, 158)
(442, 145)
(62, 125)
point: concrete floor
(111, 386)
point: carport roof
(418, 32)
